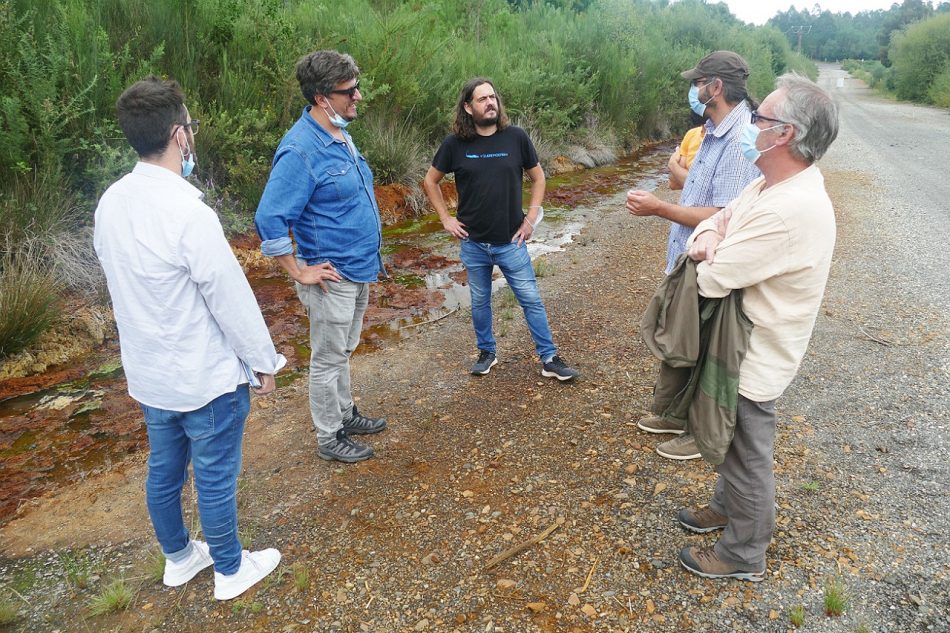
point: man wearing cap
(716, 176)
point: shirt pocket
(343, 181)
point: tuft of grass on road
(836, 597)
(8, 611)
(797, 616)
(116, 596)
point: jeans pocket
(201, 422)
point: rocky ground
(471, 467)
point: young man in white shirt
(191, 335)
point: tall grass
(604, 69)
(29, 300)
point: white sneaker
(254, 567)
(177, 574)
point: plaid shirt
(717, 176)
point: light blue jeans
(210, 438)
(336, 320)
(479, 259)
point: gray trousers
(745, 490)
(336, 320)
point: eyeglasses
(699, 82)
(349, 92)
(193, 124)
(758, 117)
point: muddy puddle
(87, 423)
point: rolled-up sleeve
(286, 195)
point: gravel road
(471, 467)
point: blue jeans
(479, 258)
(209, 437)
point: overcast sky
(759, 11)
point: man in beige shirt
(775, 241)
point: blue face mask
(336, 119)
(695, 104)
(750, 133)
(187, 164)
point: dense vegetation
(865, 35)
(572, 72)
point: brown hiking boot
(703, 561)
(680, 448)
(702, 520)
(656, 424)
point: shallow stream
(71, 430)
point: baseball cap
(719, 64)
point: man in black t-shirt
(489, 158)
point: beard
(488, 119)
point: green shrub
(919, 55)
(393, 150)
(939, 91)
(29, 300)
(35, 204)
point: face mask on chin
(335, 118)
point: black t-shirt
(488, 175)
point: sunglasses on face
(348, 92)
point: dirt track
(471, 466)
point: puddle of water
(63, 433)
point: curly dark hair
(464, 125)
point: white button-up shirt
(184, 309)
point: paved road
(875, 386)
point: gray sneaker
(681, 447)
(359, 424)
(486, 360)
(343, 449)
(557, 368)
(657, 424)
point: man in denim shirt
(321, 188)
(718, 174)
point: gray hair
(320, 72)
(811, 111)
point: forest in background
(574, 73)
(903, 51)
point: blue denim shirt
(322, 192)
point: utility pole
(799, 30)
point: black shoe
(486, 360)
(343, 449)
(361, 425)
(555, 368)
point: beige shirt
(778, 247)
